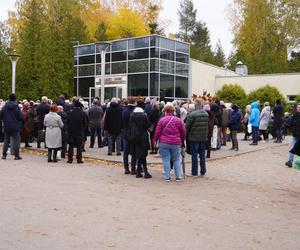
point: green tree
(219, 56)
(294, 62)
(232, 93)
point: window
(291, 98)
(182, 58)
(166, 67)
(119, 56)
(154, 41)
(182, 47)
(86, 70)
(85, 50)
(138, 43)
(182, 69)
(107, 58)
(154, 84)
(118, 68)
(154, 52)
(98, 69)
(121, 45)
(100, 47)
(85, 84)
(167, 85)
(154, 65)
(138, 66)
(87, 59)
(107, 69)
(167, 43)
(167, 55)
(138, 54)
(138, 85)
(181, 89)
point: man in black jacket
(278, 113)
(13, 122)
(95, 114)
(42, 109)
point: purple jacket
(174, 133)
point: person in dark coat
(42, 109)
(28, 124)
(95, 114)
(211, 123)
(113, 125)
(13, 121)
(76, 125)
(64, 130)
(61, 101)
(234, 124)
(139, 145)
(278, 113)
(217, 111)
(126, 145)
(153, 119)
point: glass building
(152, 66)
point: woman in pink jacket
(170, 132)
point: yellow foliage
(126, 23)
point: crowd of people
(138, 126)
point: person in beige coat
(53, 124)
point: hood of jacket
(114, 105)
(254, 105)
(11, 105)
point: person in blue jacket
(254, 121)
(234, 124)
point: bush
(266, 93)
(232, 93)
(297, 100)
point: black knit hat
(13, 97)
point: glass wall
(155, 66)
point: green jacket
(197, 126)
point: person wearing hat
(234, 124)
(13, 121)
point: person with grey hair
(197, 132)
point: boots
(126, 169)
(49, 155)
(146, 173)
(55, 155)
(138, 172)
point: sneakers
(253, 144)
(3, 157)
(168, 180)
(289, 164)
(178, 180)
(18, 158)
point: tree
(294, 62)
(263, 30)
(232, 93)
(219, 56)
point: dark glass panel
(107, 58)
(138, 85)
(118, 68)
(138, 66)
(182, 47)
(166, 67)
(138, 43)
(167, 43)
(75, 60)
(87, 59)
(100, 47)
(154, 84)
(154, 65)
(182, 58)
(107, 68)
(120, 45)
(88, 49)
(85, 84)
(167, 55)
(154, 52)
(98, 69)
(74, 87)
(86, 70)
(182, 69)
(167, 85)
(181, 90)
(119, 56)
(138, 54)
(154, 41)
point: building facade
(152, 66)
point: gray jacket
(53, 124)
(95, 114)
(265, 116)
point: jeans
(117, 139)
(224, 135)
(278, 134)
(96, 132)
(255, 134)
(15, 145)
(235, 144)
(294, 140)
(168, 152)
(198, 148)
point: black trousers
(71, 151)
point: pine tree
(219, 56)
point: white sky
(213, 12)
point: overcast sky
(213, 12)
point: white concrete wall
(203, 76)
(288, 84)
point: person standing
(265, 116)
(13, 121)
(53, 137)
(254, 121)
(197, 132)
(28, 123)
(278, 113)
(225, 117)
(234, 124)
(76, 126)
(294, 125)
(95, 114)
(42, 109)
(64, 130)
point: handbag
(214, 138)
(249, 128)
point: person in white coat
(265, 116)
(53, 124)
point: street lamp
(103, 47)
(13, 57)
(77, 62)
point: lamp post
(13, 57)
(77, 62)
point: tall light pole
(13, 57)
(77, 62)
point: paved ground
(246, 202)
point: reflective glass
(154, 65)
(154, 41)
(98, 69)
(182, 47)
(119, 56)
(107, 58)
(181, 90)
(167, 55)
(154, 84)
(166, 67)
(182, 58)
(107, 68)
(85, 50)
(118, 68)
(182, 69)
(138, 43)
(138, 66)
(138, 85)
(120, 45)
(154, 52)
(87, 59)
(167, 43)
(86, 70)
(85, 84)
(100, 47)
(138, 54)
(167, 85)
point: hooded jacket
(12, 117)
(254, 115)
(113, 119)
(265, 116)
